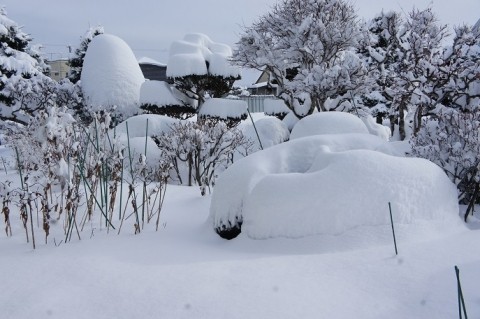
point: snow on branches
(308, 46)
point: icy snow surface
(111, 75)
(190, 56)
(329, 184)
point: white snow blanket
(329, 184)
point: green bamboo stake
(95, 198)
(461, 300)
(144, 181)
(393, 229)
(255, 128)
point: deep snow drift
(329, 178)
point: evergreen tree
(23, 86)
(76, 62)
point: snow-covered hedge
(327, 184)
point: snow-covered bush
(229, 111)
(319, 185)
(200, 68)
(201, 150)
(452, 141)
(66, 168)
(111, 77)
(158, 97)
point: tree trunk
(401, 120)
(472, 202)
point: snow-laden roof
(111, 75)
(319, 185)
(190, 56)
(223, 108)
(147, 60)
(157, 93)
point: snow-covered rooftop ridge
(224, 108)
(147, 60)
(197, 54)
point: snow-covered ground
(185, 270)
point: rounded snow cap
(111, 77)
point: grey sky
(149, 26)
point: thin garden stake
(461, 301)
(144, 194)
(393, 229)
(256, 132)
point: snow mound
(111, 76)
(270, 129)
(328, 184)
(224, 109)
(197, 54)
(328, 123)
(376, 129)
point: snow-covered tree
(417, 86)
(461, 69)
(23, 86)
(309, 48)
(452, 141)
(381, 51)
(200, 68)
(76, 61)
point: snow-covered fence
(256, 102)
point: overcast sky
(149, 26)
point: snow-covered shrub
(200, 68)
(319, 185)
(452, 141)
(158, 97)
(111, 77)
(200, 150)
(229, 111)
(275, 107)
(66, 167)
